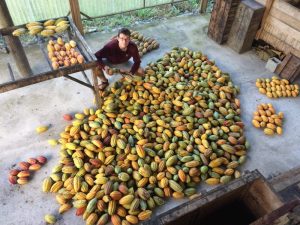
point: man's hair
(124, 31)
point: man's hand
(106, 69)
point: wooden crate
(289, 68)
(250, 197)
(245, 25)
(221, 19)
(281, 26)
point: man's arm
(102, 53)
(136, 59)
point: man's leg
(103, 79)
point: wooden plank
(75, 12)
(279, 44)
(14, 43)
(192, 211)
(229, 13)
(96, 87)
(283, 32)
(11, 73)
(289, 68)
(245, 25)
(283, 63)
(283, 16)
(284, 7)
(271, 217)
(286, 179)
(79, 81)
(284, 11)
(261, 199)
(221, 19)
(46, 76)
(268, 6)
(283, 22)
(287, 8)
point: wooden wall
(281, 27)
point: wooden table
(90, 62)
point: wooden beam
(46, 76)
(75, 12)
(14, 43)
(203, 6)
(11, 73)
(286, 17)
(268, 6)
(79, 81)
(83, 42)
(98, 99)
(86, 78)
(279, 44)
(277, 213)
(221, 20)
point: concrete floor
(44, 103)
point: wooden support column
(76, 16)
(95, 72)
(203, 5)
(15, 46)
(268, 6)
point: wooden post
(95, 71)
(268, 6)
(14, 43)
(203, 6)
(75, 12)
(221, 20)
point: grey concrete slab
(42, 104)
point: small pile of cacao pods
(45, 29)
(266, 118)
(23, 173)
(154, 137)
(63, 53)
(144, 44)
(277, 88)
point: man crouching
(119, 50)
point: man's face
(123, 41)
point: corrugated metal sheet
(103, 7)
(23, 11)
(156, 2)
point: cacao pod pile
(277, 88)
(45, 29)
(266, 118)
(63, 53)
(23, 173)
(155, 137)
(144, 44)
